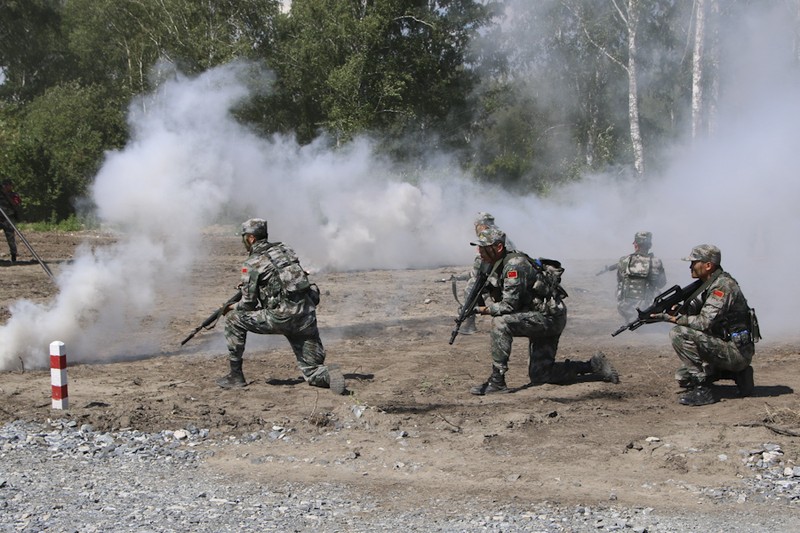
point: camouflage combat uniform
(716, 336)
(484, 220)
(639, 276)
(492, 282)
(278, 298)
(518, 311)
(528, 302)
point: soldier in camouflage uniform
(10, 203)
(483, 221)
(525, 306)
(716, 338)
(277, 297)
(639, 277)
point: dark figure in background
(11, 204)
(277, 298)
(526, 304)
(716, 338)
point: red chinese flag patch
(244, 270)
(512, 274)
(718, 293)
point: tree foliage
(64, 132)
(525, 94)
(393, 67)
(33, 51)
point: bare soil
(409, 427)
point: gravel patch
(59, 476)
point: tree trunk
(633, 90)
(797, 31)
(712, 66)
(697, 66)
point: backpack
(639, 266)
(548, 282)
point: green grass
(72, 223)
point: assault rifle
(663, 303)
(211, 321)
(26, 243)
(609, 268)
(471, 301)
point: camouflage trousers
(702, 354)
(301, 332)
(543, 332)
(11, 237)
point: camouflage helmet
(489, 236)
(256, 227)
(644, 239)
(708, 253)
(484, 219)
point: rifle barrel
(211, 321)
(189, 337)
(620, 330)
(453, 336)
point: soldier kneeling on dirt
(716, 338)
(277, 297)
(528, 302)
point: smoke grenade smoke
(189, 164)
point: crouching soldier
(277, 298)
(529, 302)
(716, 338)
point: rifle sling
(454, 285)
(489, 275)
(703, 286)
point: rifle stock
(210, 322)
(609, 268)
(468, 309)
(663, 303)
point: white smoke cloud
(190, 163)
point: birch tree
(628, 14)
(697, 66)
(705, 67)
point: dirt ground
(409, 427)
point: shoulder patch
(718, 293)
(512, 274)
(244, 270)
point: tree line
(525, 94)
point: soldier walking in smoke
(716, 337)
(529, 302)
(639, 276)
(10, 202)
(276, 298)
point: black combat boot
(744, 381)
(235, 378)
(495, 383)
(336, 380)
(699, 393)
(602, 368)
(14, 258)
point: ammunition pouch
(741, 338)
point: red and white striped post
(58, 375)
